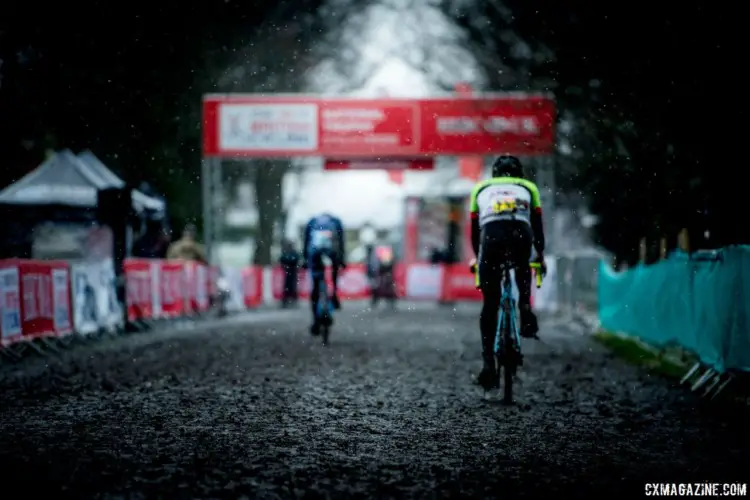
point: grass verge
(670, 362)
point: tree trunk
(268, 175)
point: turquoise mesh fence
(701, 303)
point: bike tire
(507, 363)
(324, 334)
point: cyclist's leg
(521, 242)
(317, 273)
(335, 261)
(489, 264)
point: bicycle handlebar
(536, 266)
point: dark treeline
(640, 78)
(128, 85)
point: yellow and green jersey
(504, 198)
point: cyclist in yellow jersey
(506, 220)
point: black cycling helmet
(507, 166)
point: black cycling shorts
(316, 259)
(502, 242)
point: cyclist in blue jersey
(324, 236)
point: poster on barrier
(95, 304)
(201, 291)
(233, 281)
(196, 285)
(424, 281)
(10, 304)
(353, 283)
(252, 283)
(459, 283)
(156, 280)
(45, 302)
(172, 289)
(139, 285)
(62, 313)
(191, 285)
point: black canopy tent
(61, 190)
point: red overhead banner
(288, 126)
(384, 164)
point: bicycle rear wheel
(507, 361)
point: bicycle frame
(508, 308)
(507, 313)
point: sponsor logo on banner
(353, 126)
(275, 127)
(10, 303)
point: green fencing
(699, 302)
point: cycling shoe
(487, 378)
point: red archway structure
(380, 130)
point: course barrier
(56, 299)
(700, 303)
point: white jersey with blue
(324, 233)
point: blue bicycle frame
(508, 307)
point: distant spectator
(289, 261)
(438, 256)
(187, 248)
(153, 243)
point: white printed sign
(10, 304)
(95, 302)
(424, 281)
(61, 302)
(233, 281)
(268, 127)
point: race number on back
(502, 202)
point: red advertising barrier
(197, 283)
(173, 292)
(353, 283)
(140, 289)
(273, 126)
(252, 286)
(35, 300)
(459, 283)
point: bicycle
(507, 333)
